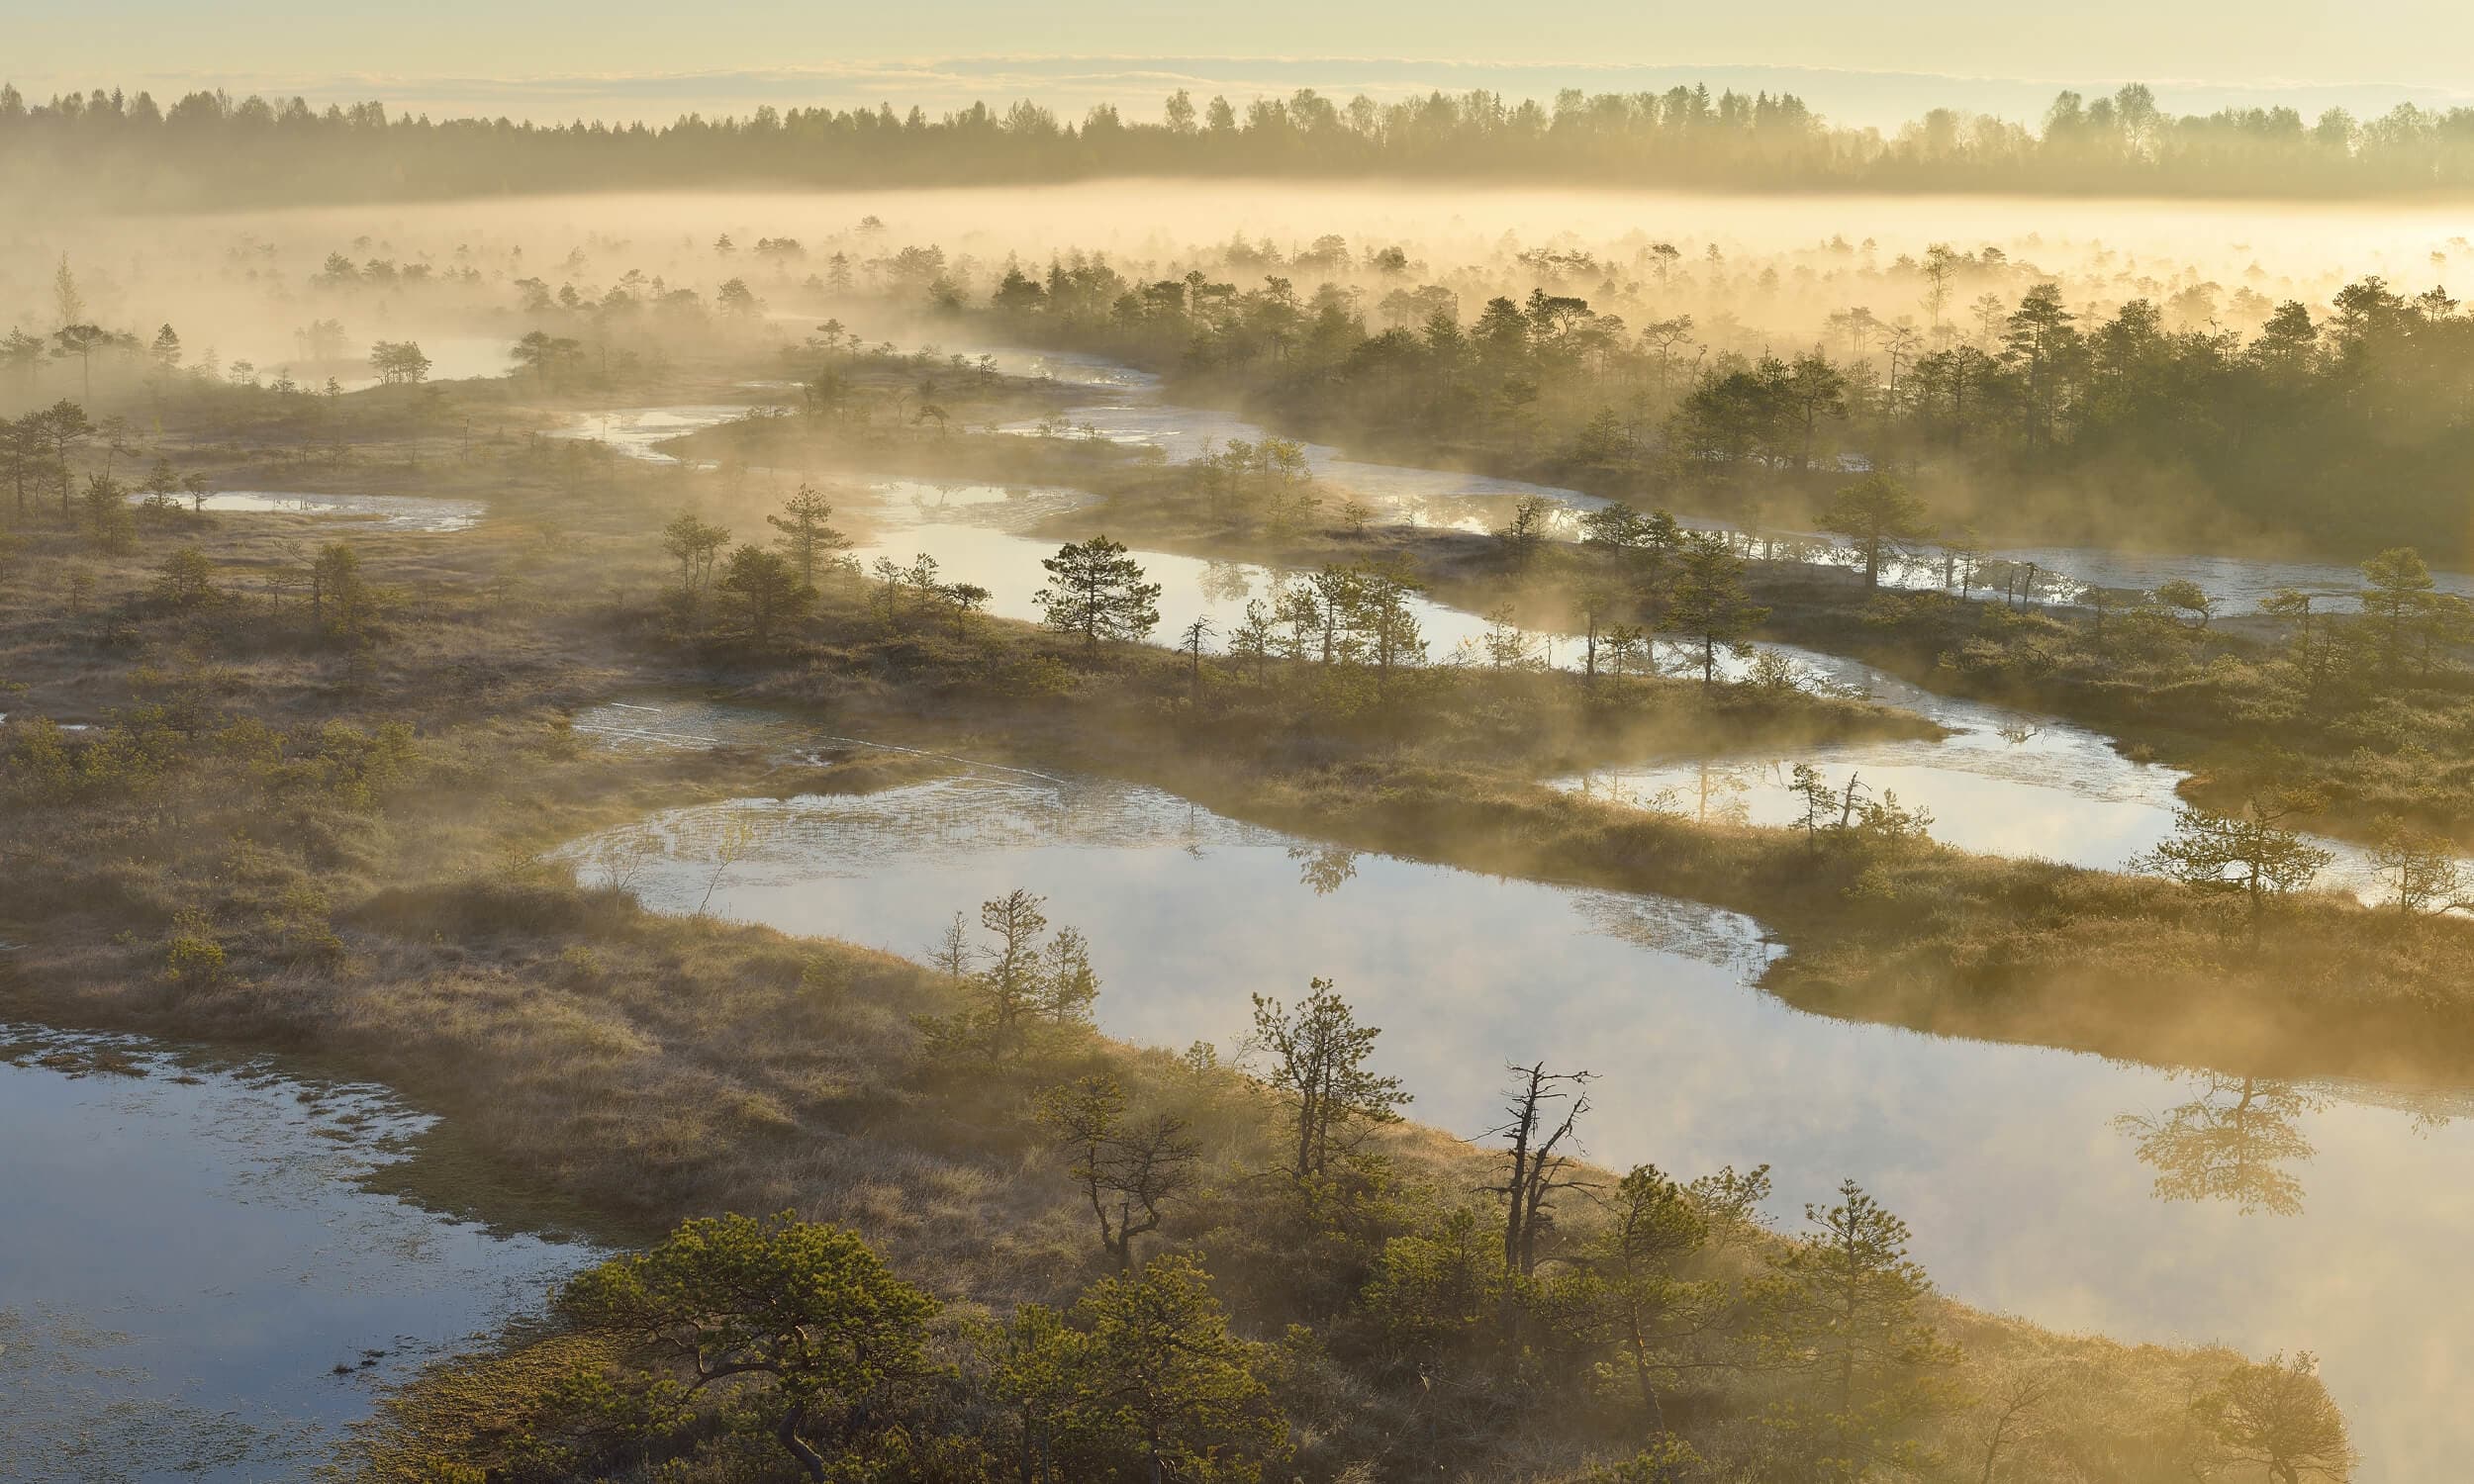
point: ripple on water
(201, 1287)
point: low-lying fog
(244, 281)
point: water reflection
(194, 1283)
(1324, 868)
(1131, 411)
(2044, 792)
(2008, 1159)
(2230, 1144)
(371, 511)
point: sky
(1877, 63)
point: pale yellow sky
(326, 46)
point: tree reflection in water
(1325, 867)
(2230, 1144)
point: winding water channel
(2080, 1192)
(2006, 781)
(1127, 408)
(200, 1284)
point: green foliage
(1880, 516)
(110, 523)
(1436, 1295)
(341, 600)
(804, 1322)
(2256, 853)
(1129, 1169)
(1160, 1386)
(1016, 989)
(1845, 1307)
(765, 591)
(1096, 590)
(194, 959)
(1707, 601)
(1316, 1056)
(185, 579)
(807, 538)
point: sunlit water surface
(2006, 781)
(419, 513)
(1127, 408)
(2028, 1190)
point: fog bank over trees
(210, 148)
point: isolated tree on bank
(1541, 1143)
(2422, 867)
(1880, 516)
(1017, 983)
(2396, 602)
(1525, 530)
(765, 589)
(1845, 1306)
(1707, 601)
(1378, 614)
(2275, 1415)
(805, 1310)
(695, 544)
(1617, 526)
(2256, 853)
(1129, 1169)
(1653, 1228)
(807, 534)
(1318, 1055)
(2183, 596)
(399, 363)
(1097, 591)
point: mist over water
(2027, 1191)
(2007, 782)
(2139, 1201)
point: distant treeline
(2349, 432)
(210, 148)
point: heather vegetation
(353, 782)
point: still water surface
(1126, 408)
(365, 511)
(194, 1283)
(2032, 1185)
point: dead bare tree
(1540, 1158)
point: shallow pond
(637, 432)
(2005, 782)
(195, 1284)
(2028, 1190)
(367, 511)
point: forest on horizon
(210, 149)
